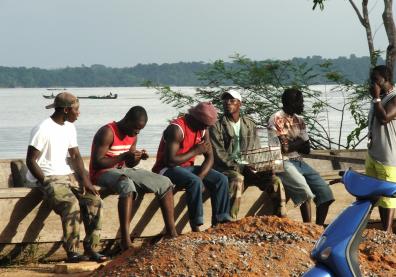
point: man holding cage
(232, 135)
(302, 183)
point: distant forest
(171, 74)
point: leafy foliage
(263, 83)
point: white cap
(234, 93)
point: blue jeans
(302, 183)
(215, 182)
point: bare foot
(125, 245)
(171, 234)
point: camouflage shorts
(67, 200)
(275, 191)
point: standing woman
(381, 158)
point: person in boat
(112, 165)
(233, 133)
(381, 158)
(302, 183)
(69, 194)
(185, 138)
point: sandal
(96, 257)
(73, 257)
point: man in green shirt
(232, 134)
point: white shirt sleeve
(38, 138)
(73, 137)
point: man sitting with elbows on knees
(185, 138)
(50, 143)
(114, 156)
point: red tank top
(117, 147)
(190, 138)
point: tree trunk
(365, 21)
(369, 34)
(390, 29)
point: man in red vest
(113, 158)
(184, 139)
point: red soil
(253, 246)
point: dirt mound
(253, 246)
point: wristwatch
(376, 100)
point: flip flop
(96, 257)
(74, 257)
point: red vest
(190, 138)
(117, 147)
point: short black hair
(136, 113)
(289, 95)
(384, 72)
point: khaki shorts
(137, 181)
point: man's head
(232, 101)
(68, 104)
(134, 121)
(204, 115)
(382, 76)
(293, 101)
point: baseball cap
(234, 93)
(63, 100)
(205, 113)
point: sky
(123, 33)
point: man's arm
(173, 137)
(298, 144)
(383, 114)
(387, 113)
(31, 162)
(207, 164)
(218, 148)
(79, 170)
(101, 144)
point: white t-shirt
(53, 141)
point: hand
(136, 156)
(375, 90)
(89, 188)
(305, 148)
(202, 147)
(133, 155)
(250, 173)
(145, 155)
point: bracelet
(376, 100)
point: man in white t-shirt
(51, 142)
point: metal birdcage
(265, 158)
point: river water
(22, 108)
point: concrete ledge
(25, 218)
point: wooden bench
(26, 218)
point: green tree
(363, 15)
(358, 94)
(264, 82)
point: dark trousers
(215, 182)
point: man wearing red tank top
(185, 138)
(113, 158)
